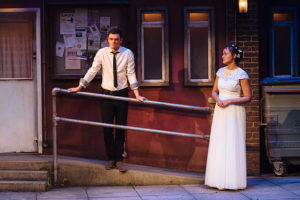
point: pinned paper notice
(94, 29)
(60, 49)
(80, 38)
(69, 41)
(67, 23)
(104, 43)
(93, 41)
(71, 59)
(104, 23)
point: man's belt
(115, 93)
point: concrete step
(74, 171)
(23, 186)
(89, 172)
(25, 161)
(25, 165)
(29, 175)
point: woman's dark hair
(115, 31)
(234, 49)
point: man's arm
(132, 78)
(89, 76)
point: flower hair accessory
(237, 50)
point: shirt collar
(111, 51)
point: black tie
(115, 69)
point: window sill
(277, 81)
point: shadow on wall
(165, 150)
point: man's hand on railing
(75, 89)
(141, 98)
(138, 96)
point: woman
(226, 161)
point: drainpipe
(45, 142)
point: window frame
(293, 35)
(188, 81)
(164, 81)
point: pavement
(265, 187)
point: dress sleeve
(219, 72)
(243, 75)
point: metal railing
(56, 119)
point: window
(199, 52)
(283, 40)
(153, 56)
(16, 52)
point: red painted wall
(172, 151)
(144, 148)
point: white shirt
(104, 61)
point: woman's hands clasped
(223, 103)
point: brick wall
(244, 30)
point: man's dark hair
(115, 31)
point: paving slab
(116, 198)
(159, 190)
(264, 189)
(291, 184)
(78, 193)
(222, 195)
(17, 196)
(199, 189)
(112, 191)
(168, 197)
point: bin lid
(282, 89)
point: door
(18, 82)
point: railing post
(212, 104)
(54, 135)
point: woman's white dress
(226, 160)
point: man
(117, 64)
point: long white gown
(226, 160)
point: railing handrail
(55, 91)
(157, 103)
(132, 128)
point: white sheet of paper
(69, 41)
(104, 23)
(67, 23)
(71, 59)
(60, 47)
(104, 43)
(81, 17)
(80, 38)
(94, 29)
(93, 41)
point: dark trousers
(114, 110)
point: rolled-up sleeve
(134, 84)
(91, 73)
